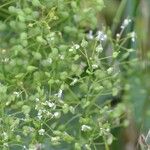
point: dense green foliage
(58, 76)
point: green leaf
(26, 109)
(36, 3)
(31, 68)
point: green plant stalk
(106, 145)
(118, 16)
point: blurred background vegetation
(139, 94)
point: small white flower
(118, 35)
(86, 128)
(57, 114)
(90, 35)
(60, 93)
(41, 132)
(133, 36)
(16, 94)
(37, 100)
(51, 104)
(61, 57)
(24, 147)
(36, 107)
(101, 36)
(39, 114)
(107, 130)
(110, 70)
(76, 46)
(125, 23)
(94, 66)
